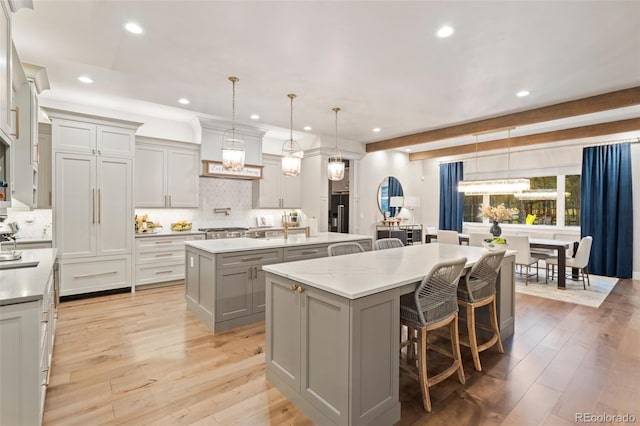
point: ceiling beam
(538, 138)
(598, 103)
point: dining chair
(579, 261)
(476, 238)
(448, 237)
(433, 305)
(523, 256)
(476, 289)
(388, 243)
(340, 249)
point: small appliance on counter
(144, 225)
(8, 232)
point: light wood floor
(143, 359)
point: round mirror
(390, 197)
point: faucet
(286, 230)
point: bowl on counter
(495, 244)
(181, 226)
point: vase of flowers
(496, 215)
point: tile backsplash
(217, 193)
(32, 224)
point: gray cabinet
(234, 287)
(310, 353)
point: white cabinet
(6, 97)
(26, 343)
(26, 149)
(160, 258)
(93, 213)
(167, 174)
(44, 166)
(276, 190)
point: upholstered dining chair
(523, 256)
(476, 238)
(432, 306)
(340, 249)
(580, 261)
(476, 289)
(388, 243)
(448, 237)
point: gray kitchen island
(225, 281)
(333, 328)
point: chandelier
(291, 152)
(495, 186)
(335, 168)
(232, 142)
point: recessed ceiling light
(522, 93)
(184, 101)
(408, 149)
(85, 79)
(307, 128)
(445, 31)
(255, 117)
(376, 129)
(134, 28)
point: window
(471, 208)
(536, 206)
(572, 200)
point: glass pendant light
(232, 142)
(335, 169)
(291, 152)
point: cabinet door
(44, 169)
(75, 205)
(73, 136)
(283, 331)
(324, 354)
(5, 72)
(182, 178)
(269, 186)
(151, 179)
(233, 293)
(291, 191)
(115, 141)
(114, 206)
(259, 281)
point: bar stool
(340, 249)
(476, 289)
(432, 306)
(388, 243)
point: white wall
(373, 168)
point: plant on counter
(497, 214)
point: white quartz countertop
(168, 233)
(228, 245)
(27, 240)
(27, 284)
(358, 275)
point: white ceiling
(379, 61)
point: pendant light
(232, 142)
(495, 186)
(291, 152)
(335, 168)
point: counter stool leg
(473, 341)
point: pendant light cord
(233, 80)
(291, 96)
(336, 110)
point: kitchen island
(225, 281)
(333, 328)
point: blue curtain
(606, 208)
(451, 201)
(395, 190)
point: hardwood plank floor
(143, 359)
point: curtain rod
(539, 147)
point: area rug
(593, 296)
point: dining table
(559, 246)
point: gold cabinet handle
(163, 272)
(93, 206)
(169, 200)
(17, 133)
(99, 207)
(310, 252)
(251, 259)
(294, 287)
(299, 289)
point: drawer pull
(310, 252)
(251, 259)
(164, 254)
(96, 274)
(163, 242)
(163, 272)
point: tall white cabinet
(93, 204)
(276, 190)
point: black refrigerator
(339, 213)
